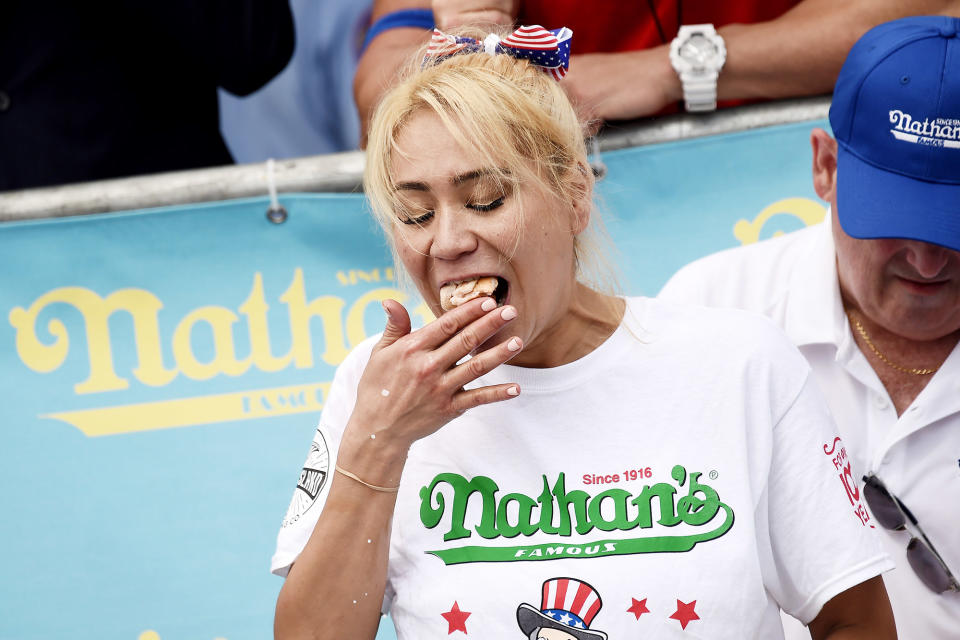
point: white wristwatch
(697, 55)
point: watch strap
(700, 90)
(699, 83)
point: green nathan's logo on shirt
(559, 512)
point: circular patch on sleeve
(313, 478)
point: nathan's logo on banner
(341, 326)
(939, 132)
(564, 514)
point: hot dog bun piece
(457, 293)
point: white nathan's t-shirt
(680, 481)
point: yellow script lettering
(142, 306)
(328, 309)
(807, 210)
(255, 307)
(339, 334)
(224, 360)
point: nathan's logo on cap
(939, 132)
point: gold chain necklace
(883, 358)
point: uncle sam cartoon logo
(567, 608)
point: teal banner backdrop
(162, 371)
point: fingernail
(489, 304)
(513, 345)
(508, 313)
(513, 391)
(386, 310)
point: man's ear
(583, 198)
(824, 164)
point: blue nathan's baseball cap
(896, 117)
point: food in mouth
(454, 294)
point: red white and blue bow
(547, 49)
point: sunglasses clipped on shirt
(922, 556)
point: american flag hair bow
(549, 50)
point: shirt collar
(814, 309)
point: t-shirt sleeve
(686, 286)
(313, 484)
(822, 540)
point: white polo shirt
(793, 280)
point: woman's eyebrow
(471, 175)
(457, 180)
(411, 186)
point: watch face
(699, 52)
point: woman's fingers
(436, 333)
(411, 382)
(398, 323)
(475, 334)
(482, 364)
(448, 340)
(458, 332)
(484, 395)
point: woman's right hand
(411, 387)
(412, 384)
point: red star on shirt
(638, 608)
(456, 619)
(685, 613)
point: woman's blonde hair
(514, 116)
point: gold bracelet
(353, 476)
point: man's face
(908, 287)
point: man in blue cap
(872, 299)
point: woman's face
(458, 223)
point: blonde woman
(546, 459)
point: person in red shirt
(621, 69)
